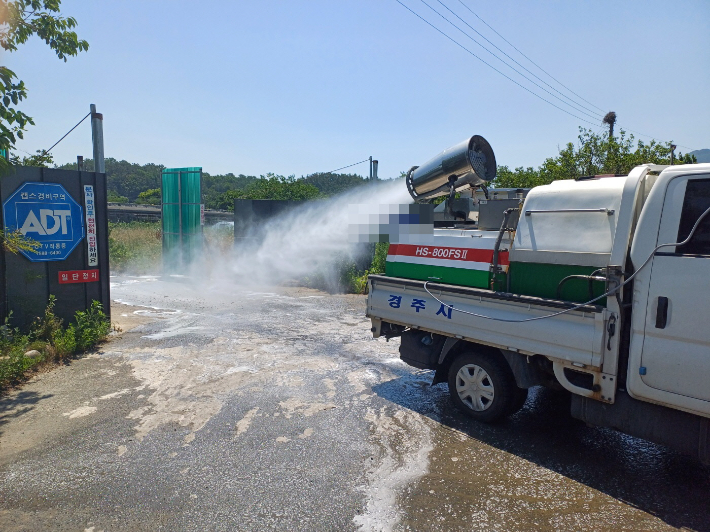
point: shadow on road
(661, 482)
(15, 405)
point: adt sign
(45, 213)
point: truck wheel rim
(474, 387)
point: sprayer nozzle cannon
(467, 164)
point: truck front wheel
(483, 387)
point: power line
(575, 107)
(72, 129)
(656, 138)
(578, 106)
(504, 75)
(344, 167)
(491, 66)
(526, 57)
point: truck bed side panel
(575, 336)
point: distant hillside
(703, 156)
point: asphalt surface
(245, 408)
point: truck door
(676, 347)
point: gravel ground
(224, 408)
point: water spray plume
(312, 240)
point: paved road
(222, 408)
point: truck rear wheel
(483, 387)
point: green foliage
(136, 246)
(14, 364)
(595, 154)
(152, 196)
(124, 179)
(215, 186)
(64, 341)
(15, 242)
(329, 184)
(354, 280)
(20, 20)
(113, 197)
(42, 159)
(379, 261)
(12, 121)
(7, 334)
(44, 327)
(92, 326)
(129, 182)
(50, 338)
(273, 186)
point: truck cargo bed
(577, 336)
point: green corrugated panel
(191, 180)
(182, 231)
(171, 219)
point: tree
(125, 179)
(151, 196)
(330, 184)
(113, 197)
(272, 186)
(594, 155)
(41, 159)
(20, 19)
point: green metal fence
(182, 216)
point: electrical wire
(526, 57)
(657, 139)
(348, 166)
(576, 307)
(491, 66)
(518, 72)
(577, 106)
(72, 129)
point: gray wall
(26, 286)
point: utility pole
(370, 167)
(673, 147)
(374, 170)
(97, 138)
(80, 163)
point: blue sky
(295, 87)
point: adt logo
(47, 214)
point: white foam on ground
(404, 441)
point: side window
(696, 201)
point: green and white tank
(452, 256)
(565, 228)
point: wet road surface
(222, 408)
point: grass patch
(137, 246)
(219, 239)
(51, 339)
(355, 281)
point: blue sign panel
(45, 213)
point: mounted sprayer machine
(554, 287)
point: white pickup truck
(636, 359)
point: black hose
(496, 247)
